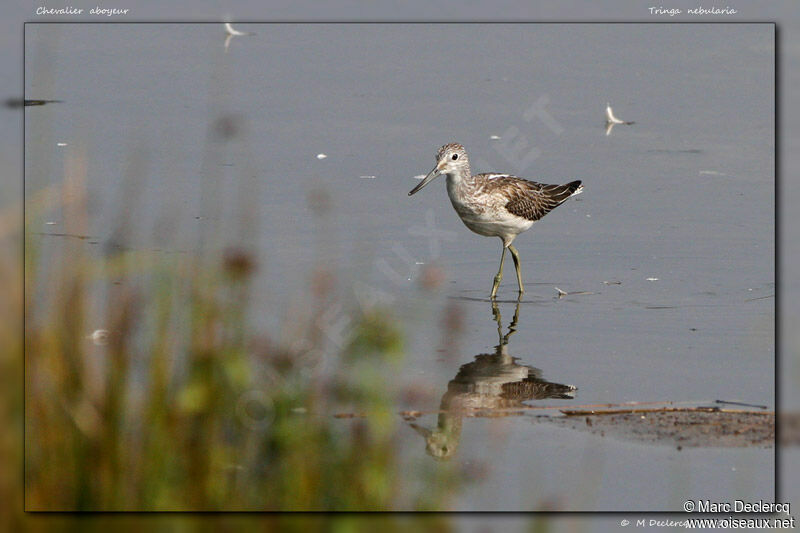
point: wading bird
(496, 205)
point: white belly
(504, 225)
(491, 221)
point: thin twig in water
(741, 403)
(572, 412)
(760, 298)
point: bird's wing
(531, 200)
(536, 389)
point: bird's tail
(575, 187)
(560, 193)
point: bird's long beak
(432, 174)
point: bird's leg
(498, 319)
(515, 257)
(499, 275)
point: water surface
(670, 249)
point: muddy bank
(678, 427)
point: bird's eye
(455, 156)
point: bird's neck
(460, 178)
(459, 186)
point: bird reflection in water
(490, 386)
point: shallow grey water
(684, 197)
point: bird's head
(451, 159)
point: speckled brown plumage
(527, 199)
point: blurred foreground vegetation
(146, 388)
